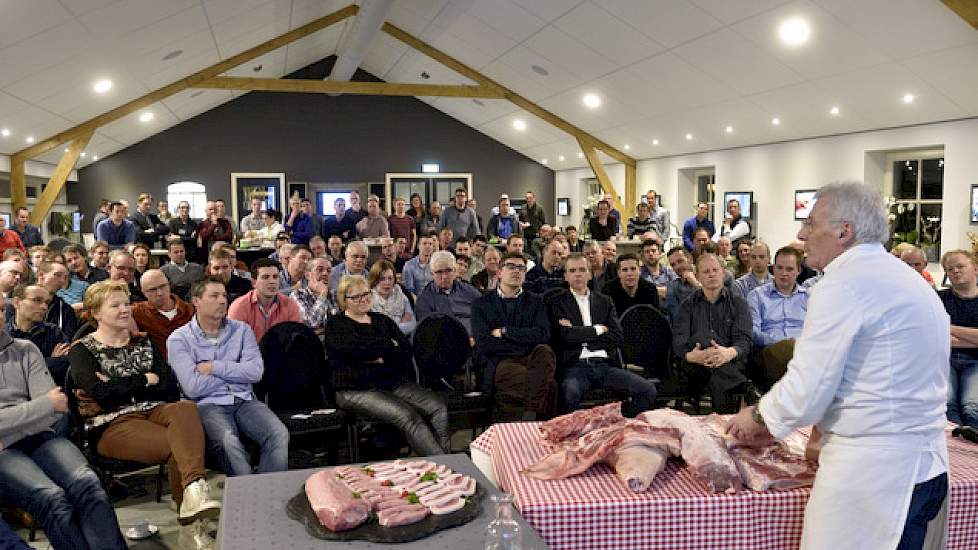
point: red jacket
(10, 239)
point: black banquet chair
(297, 385)
(648, 346)
(443, 357)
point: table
(595, 510)
(253, 516)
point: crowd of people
(159, 362)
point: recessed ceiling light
(561, 158)
(94, 157)
(580, 155)
(172, 55)
(66, 149)
(776, 121)
(908, 98)
(834, 111)
(146, 117)
(519, 124)
(543, 161)
(101, 86)
(689, 137)
(29, 139)
(84, 154)
(540, 70)
(656, 142)
(627, 147)
(728, 129)
(591, 101)
(5, 132)
(794, 31)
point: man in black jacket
(587, 335)
(630, 288)
(511, 331)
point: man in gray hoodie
(458, 217)
(41, 472)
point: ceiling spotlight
(425, 75)
(580, 155)
(519, 124)
(543, 161)
(66, 149)
(561, 158)
(5, 132)
(591, 101)
(146, 117)
(94, 157)
(689, 137)
(908, 98)
(102, 86)
(728, 129)
(794, 31)
(834, 111)
(776, 121)
(627, 147)
(29, 139)
(656, 142)
(257, 68)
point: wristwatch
(755, 415)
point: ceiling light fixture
(257, 68)
(834, 111)
(101, 86)
(776, 121)
(656, 142)
(561, 158)
(66, 149)
(519, 124)
(794, 31)
(728, 129)
(84, 154)
(543, 161)
(539, 70)
(908, 98)
(5, 132)
(689, 137)
(146, 117)
(580, 155)
(29, 139)
(94, 157)
(627, 147)
(591, 101)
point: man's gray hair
(359, 245)
(859, 204)
(442, 257)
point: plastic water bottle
(503, 533)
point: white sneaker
(197, 503)
(196, 537)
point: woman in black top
(961, 303)
(603, 226)
(371, 361)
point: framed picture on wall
(269, 187)
(563, 207)
(745, 198)
(974, 203)
(804, 202)
(296, 189)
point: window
(190, 191)
(917, 203)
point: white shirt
(584, 304)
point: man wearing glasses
(447, 294)
(511, 331)
(163, 312)
(30, 304)
(458, 217)
(122, 267)
(355, 264)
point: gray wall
(312, 138)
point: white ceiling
(663, 68)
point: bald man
(11, 273)
(163, 312)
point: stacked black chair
(443, 357)
(648, 344)
(297, 382)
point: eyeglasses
(123, 268)
(358, 297)
(445, 271)
(514, 267)
(358, 256)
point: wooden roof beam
(348, 87)
(966, 9)
(57, 182)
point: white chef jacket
(871, 370)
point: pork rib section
(337, 508)
(580, 422)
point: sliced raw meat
(431, 489)
(446, 505)
(466, 486)
(442, 470)
(420, 466)
(414, 486)
(333, 502)
(392, 502)
(405, 515)
(439, 495)
(581, 422)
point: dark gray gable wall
(312, 138)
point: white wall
(774, 172)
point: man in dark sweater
(511, 331)
(587, 336)
(630, 288)
(549, 273)
(30, 304)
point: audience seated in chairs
(162, 312)
(387, 297)
(11, 274)
(712, 337)
(447, 294)
(130, 402)
(630, 288)
(219, 264)
(122, 267)
(293, 274)
(758, 258)
(334, 248)
(43, 473)
(652, 269)
(683, 285)
(25, 320)
(417, 270)
(915, 258)
(217, 360)
(778, 313)
(315, 300)
(516, 243)
(76, 259)
(741, 263)
(511, 331)
(961, 303)
(602, 269)
(549, 273)
(54, 277)
(181, 273)
(372, 364)
(264, 306)
(587, 338)
(488, 278)
(355, 264)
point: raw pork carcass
(705, 454)
(581, 422)
(334, 503)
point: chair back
(441, 348)
(297, 375)
(648, 340)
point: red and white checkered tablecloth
(595, 510)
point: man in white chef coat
(870, 370)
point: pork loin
(334, 504)
(402, 515)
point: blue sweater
(237, 362)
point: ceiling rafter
(349, 87)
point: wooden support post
(631, 195)
(592, 158)
(58, 179)
(18, 182)
(966, 9)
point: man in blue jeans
(217, 360)
(43, 473)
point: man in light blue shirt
(778, 312)
(355, 264)
(757, 259)
(217, 360)
(117, 231)
(417, 271)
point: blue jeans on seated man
(47, 476)
(587, 374)
(9, 540)
(225, 424)
(962, 400)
